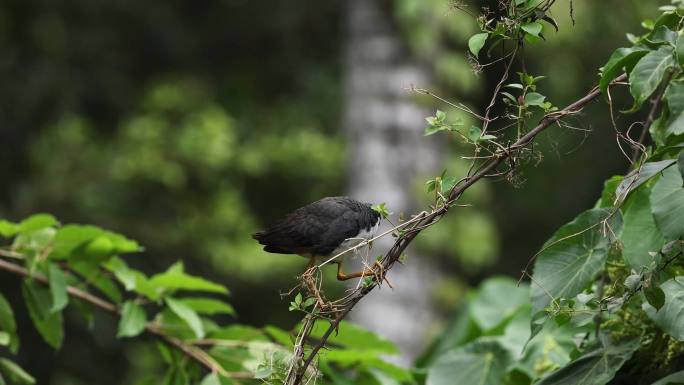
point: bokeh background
(188, 125)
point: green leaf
(667, 204)
(175, 278)
(133, 280)
(534, 28)
(188, 315)
(87, 241)
(14, 373)
(483, 364)
(640, 176)
(498, 299)
(282, 337)
(672, 379)
(648, 73)
(596, 366)
(8, 229)
(680, 164)
(639, 232)
(208, 306)
(662, 34)
(474, 134)
(58, 288)
(670, 317)
(355, 337)
(476, 42)
(92, 273)
(37, 222)
(675, 103)
(655, 297)
(38, 301)
(534, 99)
(8, 324)
(133, 320)
(572, 257)
(620, 59)
(680, 50)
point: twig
(192, 352)
(407, 237)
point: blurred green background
(188, 125)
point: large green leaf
(639, 232)
(480, 363)
(620, 59)
(7, 323)
(596, 366)
(175, 278)
(188, 315)
(675, 103)
(39, 302)
(637, 177)
(649, 72)
(133, 320)
(572, 257)
(498, 299)
(670, 317)
(672, 379)
(667, 204)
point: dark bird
(322, 229)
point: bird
(323, 229)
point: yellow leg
(341, 276)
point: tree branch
(192, 352)
(407, 237)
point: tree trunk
(386, 150)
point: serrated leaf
(133, 320)
(188, 315)
(8, 324)
(667, 204)
(534, 28)
(675, 103)
(670, 317)
(596, 366)
(175, 278)
(58, 288)
(38, 301)
(639, 232)
(14, 373)
(648, 73)
(620, 59)
(476, 42)
(572, 257)
(208, 306)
